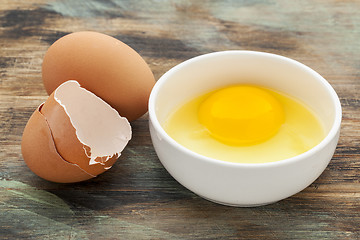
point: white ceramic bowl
(239, 184)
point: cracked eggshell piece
(40, 154)
(103, 65)
(86, 132)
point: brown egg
(73, 136)
(103, 65)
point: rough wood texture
(137, 198)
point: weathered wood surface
(137, 198)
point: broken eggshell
(73, 136)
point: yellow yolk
(241, 115)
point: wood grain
(137, 198)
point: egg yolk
(241, 115)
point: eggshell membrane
(103, 65)
(66, 140)
(97, 124)
(41, 156)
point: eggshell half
(82, 132)
(103, 65)
(40, 154)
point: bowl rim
(335, 128)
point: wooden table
(137, 198)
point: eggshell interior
(97, 124)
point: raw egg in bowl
(244, 128)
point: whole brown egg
(103, 65)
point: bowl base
(237, 205)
